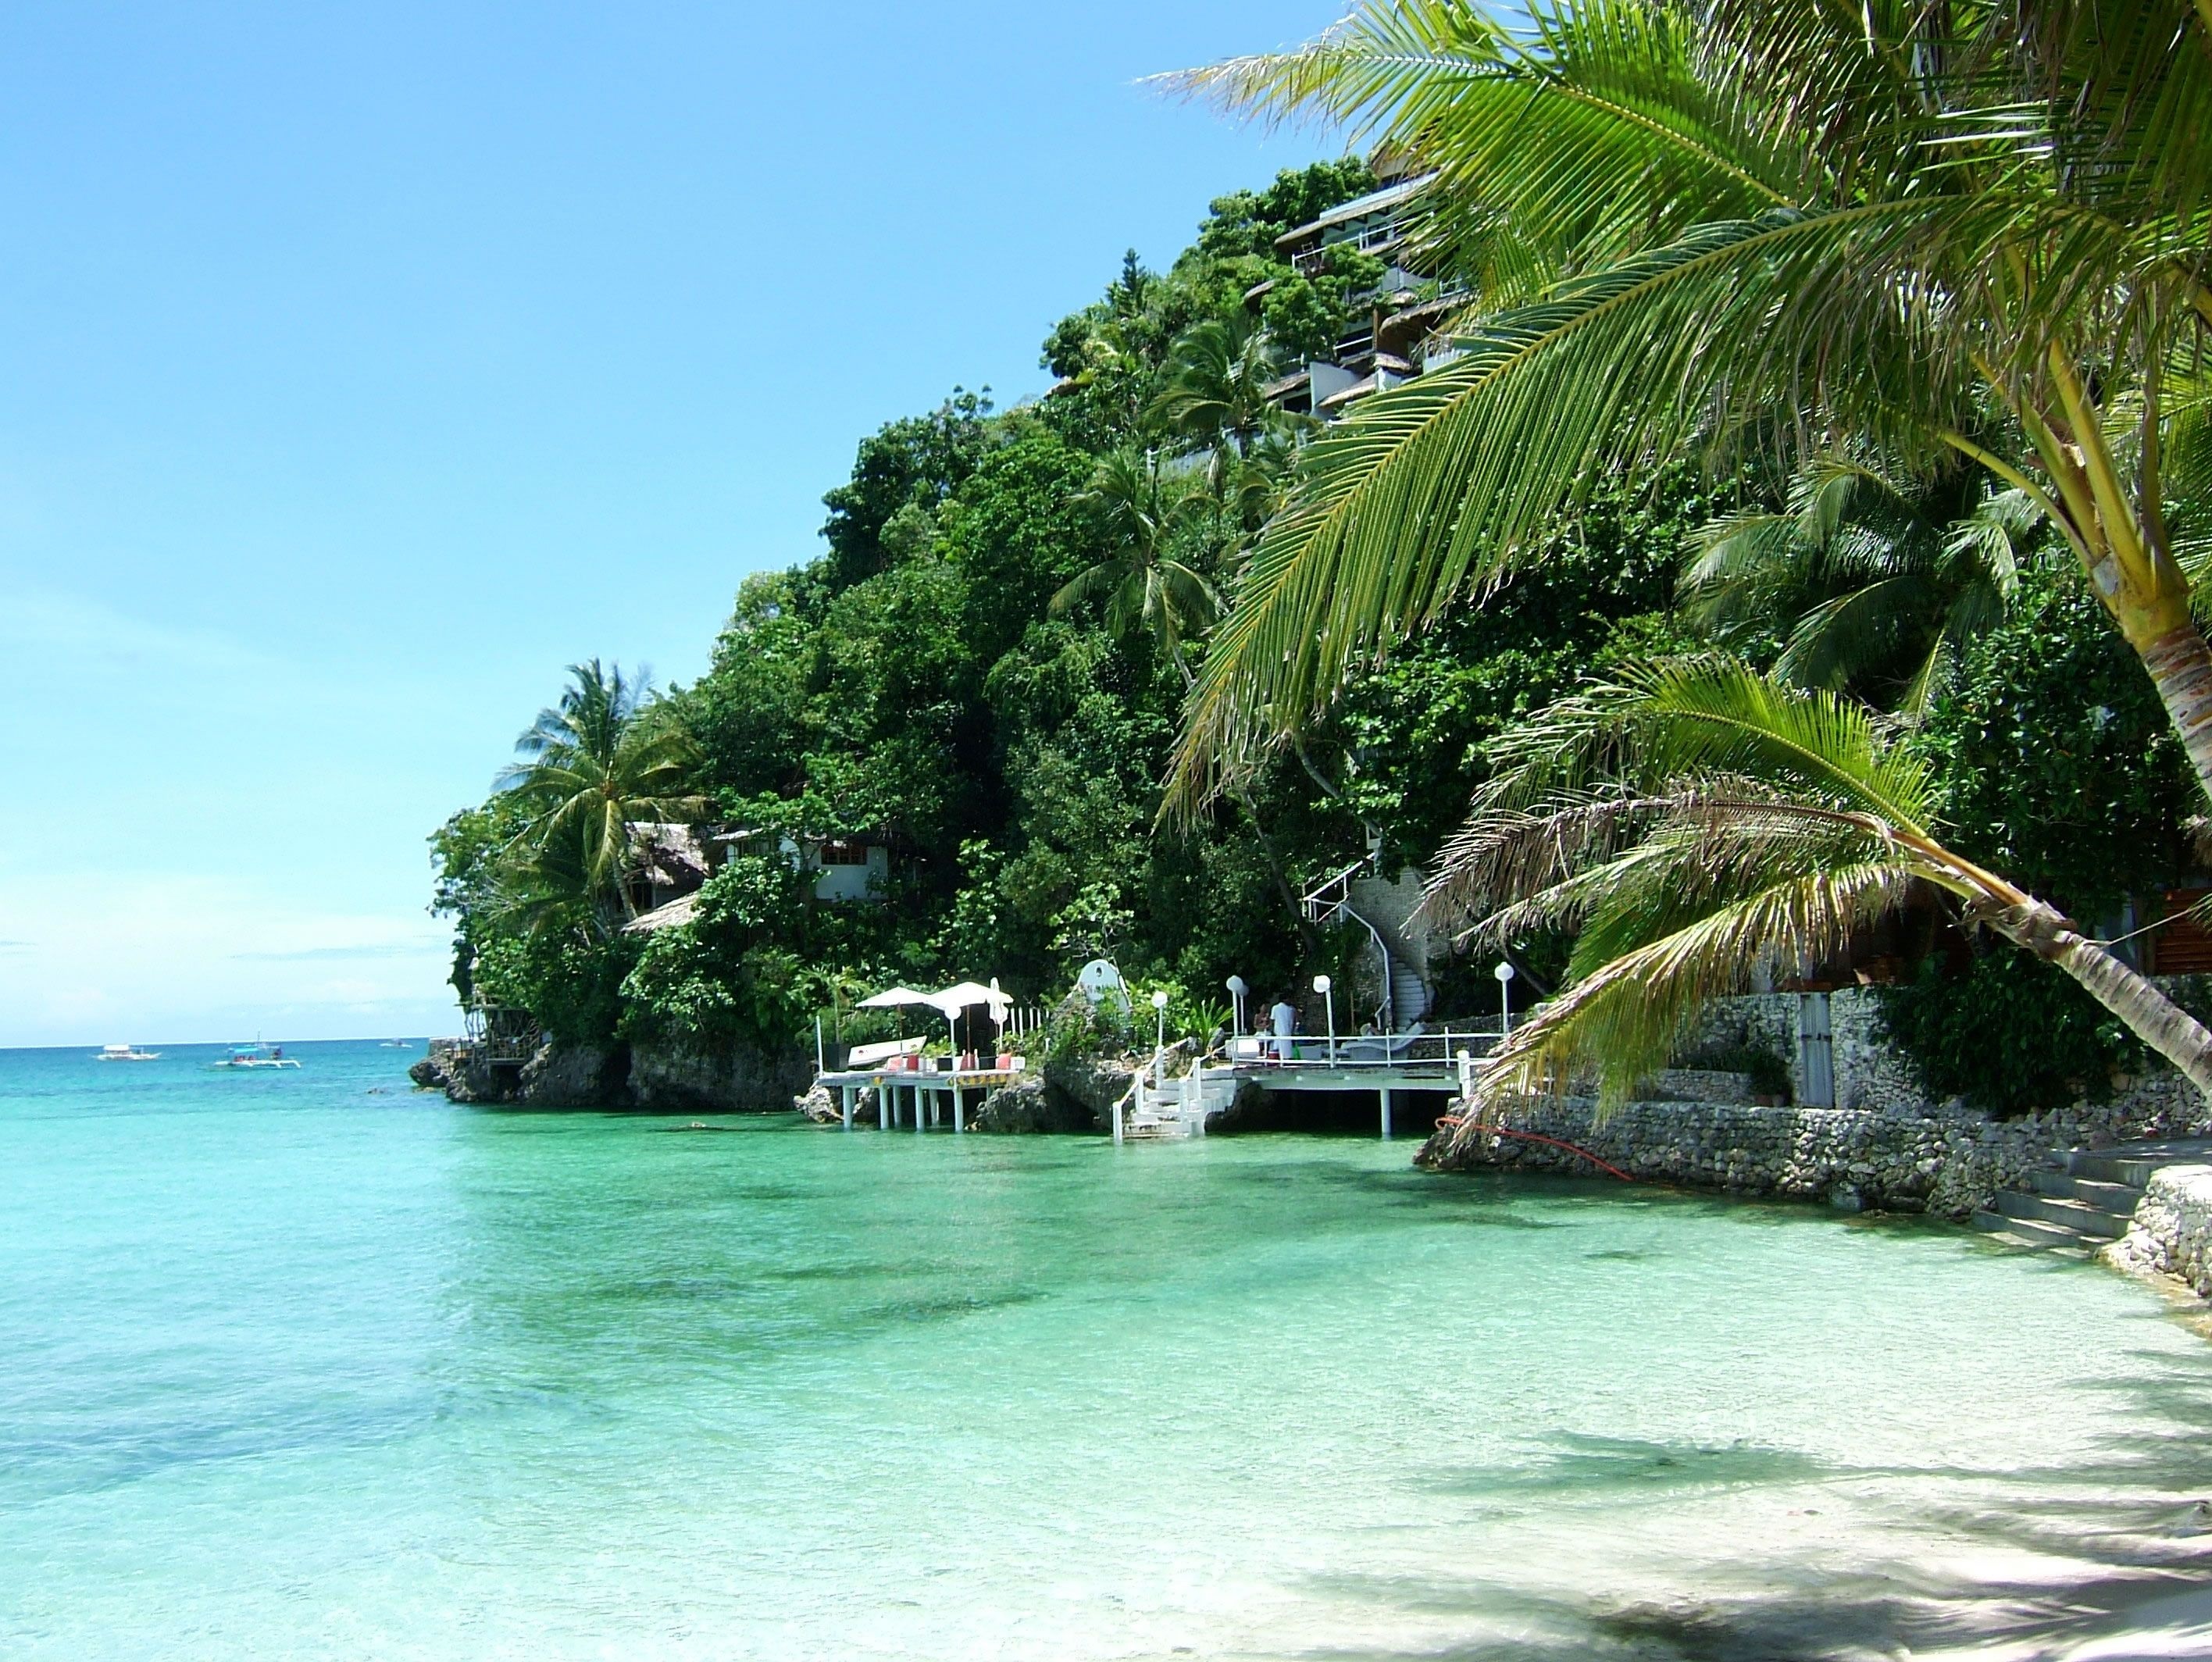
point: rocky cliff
(654, 1078)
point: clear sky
(364, 364)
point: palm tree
(1912, 225)
(1696, 820)
(1146, 589)
(1212, 391)
(1872, 584)
(606, 757)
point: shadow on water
(1897, 1611)
(2114, 1532)
(1591, 1466)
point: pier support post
(1384, 1093)
(845, 1094)
(956, 1124)
(883, 1103)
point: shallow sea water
(309, 1365)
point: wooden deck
(923, 1097)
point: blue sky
(366, 364)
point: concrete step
(2133, 1162)
(2033, 1232)
(2078, 1215)
(2120, 1198)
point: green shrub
(1769, 1071)
(2012, 1035)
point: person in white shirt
(1284, 1016)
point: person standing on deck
(1284, 1016)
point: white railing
(1331, 899)
(1437, 1047)
(1370, 237)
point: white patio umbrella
(963, 996)
(894, 999)
(896, 996)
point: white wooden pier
(922, 1100)
(1429, 1063)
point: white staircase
(1409, 995)
(1175, 1107)
(1401, 978)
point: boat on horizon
(257, 1055)
(126, 1054)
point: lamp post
(1322, 986)
(1160, 1031)
(1504, 975)
(1237, 989)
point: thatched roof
(675, 913)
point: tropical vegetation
(1802, 534)
(1950, 265)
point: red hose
(1456, 1120)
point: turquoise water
(305, 1364)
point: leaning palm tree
(1145, 588)
(1695, 821)
(605, 758)
(1873, 584)
(1913, 225)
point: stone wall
(1869, 1073)
(1947, 1160)
(2171, 1234)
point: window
(842, 854)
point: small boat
(399, 1044)
(257, 1055)
(126, 1054)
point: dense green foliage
(2011, 1035)
(2061, 770)
(986, 670)
(2060, 767)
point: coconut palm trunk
(2180, 666)
(2146, 1012)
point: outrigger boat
(257, 1055)
(126, 1054)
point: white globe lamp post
(1504, 975)
(1322, 984)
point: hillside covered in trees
(977, 684)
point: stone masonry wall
(2171, 1234)
(1868, 1074)
(1949, 1162)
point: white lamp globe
(1322, 983)
(1160, 1000)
